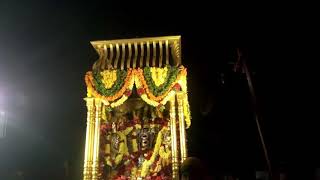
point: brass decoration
(175, 162)
(111, 57)
(142, 55)
(129, 56)
(148, 54)
(176, 52)
(104, 57)
(135, 55)
(167, 52)
(154, 54)
(115, 65)
(87, 171)
(160, 54)
(106, 52)
(123, 55)
(182, 127)
(95, 164)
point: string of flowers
(101, 86)
(147, 163)
(123, 151)
(141, 91)
(126, 94)
(92, 90)
(186, 108)
(148, 87)
(162, 88)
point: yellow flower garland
(168, 97)
(145, 98)
(147, 163)
(163, 154)
(158, 75)
(108, 78)
(135, 76)
(93, 92)
(139, 74)
(134, 141)
(123, 150)
(186, 109)
(165, 161)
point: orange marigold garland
(140, 79)
(93, 92)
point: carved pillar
(182, 127)
(175, 162)
(87, 171)
(95, 164)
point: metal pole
(254, 103)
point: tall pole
(87, 171)
(183, 149)
(173, 123)
(96, 145)
(255, 110)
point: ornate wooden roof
(138, 52)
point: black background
(45, 51)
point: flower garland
(134, 139)
(142, 91)
(109, 77)
(186, 108)
(163, 154)
(167, 82)
(136, 76)
(147, 163)
(123, 150)
(126, 94)
(100, 82)
(159, 75)
(128, 84)
(186, 111)
(147, 88)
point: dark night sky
(45, 52)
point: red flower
(121, 178)
(177, 87)
(103, 128)
(108, 127)
(135, 121)
(140, 91)
(128, 92)
(148, 155)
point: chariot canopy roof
(138, 53)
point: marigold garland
(137, 77)
(163, 154)
(101, 83)
(186, 108)
(159, 75)
(123, 150)
(109, 77)
(142, 81)
(128, 81)
(147, 163)
(167, 82)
